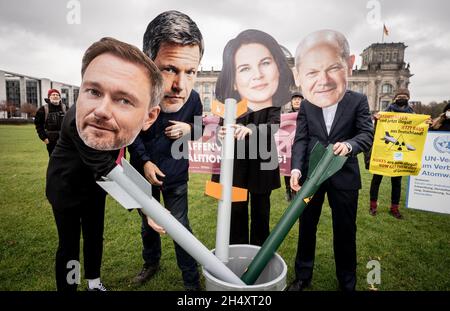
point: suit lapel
(318, 114)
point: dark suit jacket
(247, 172)
(153, 145)
(74, 168)
(352, 124)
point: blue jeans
(176, 201)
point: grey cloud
(287, 20)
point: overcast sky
(36, 38)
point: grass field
(414, 253)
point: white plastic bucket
(273, 277)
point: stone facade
(206, 86)
(19, 89)
(382, 72)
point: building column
(70, 99)
(372, 93)
(377, 93)
(44, 85)
(23, 91)
(3, 114)
(2, 86)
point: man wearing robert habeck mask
(174, 42)
(330, 114)
(119, 95)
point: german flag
(385, 30)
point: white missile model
(225, 192)
(133, 191)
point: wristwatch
(349, 147)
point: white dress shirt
(328, 116)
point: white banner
(430, 189)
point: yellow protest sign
(398, 144)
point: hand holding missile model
(323, 164)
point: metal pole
(226, 180)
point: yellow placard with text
(398, 144)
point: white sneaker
(99, 288)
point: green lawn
(414, 253)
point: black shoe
(288, 195)
(299, 285)
(346, 289)
(146, 274)
(396, 213)
(192, 288)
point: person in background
(400, 105)
(296, 100)
(442, 123)
(48, 119)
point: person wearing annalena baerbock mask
(255, 70)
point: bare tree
(9, 107)
(3, 107)
(433, 109)
(29, 109)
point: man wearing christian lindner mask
(119, 96)
(330, 114)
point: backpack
(63, 107)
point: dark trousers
(176, 201)
(396, 183)
(343, 210)
(88, 219)
(50, 146)
(287, 182)
(260, 217)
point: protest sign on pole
(398, 144)
(430, 189)
(205, 153)
(284, 138)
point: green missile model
(323, 164)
